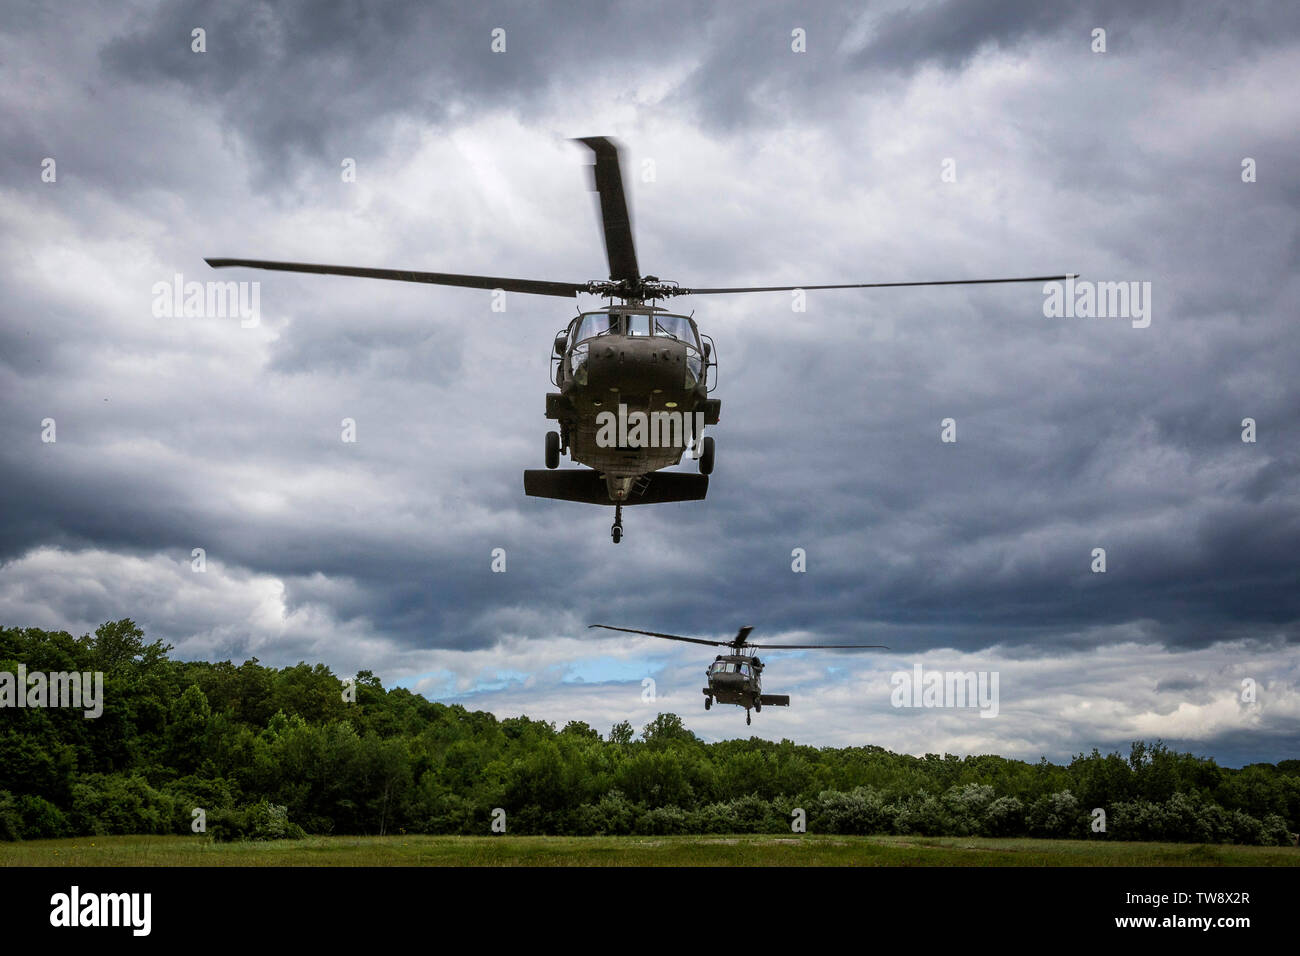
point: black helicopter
(737, 678)
(633, 378)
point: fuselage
(633, 391)
(735, 679)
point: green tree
(188, 730)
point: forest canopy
(257, 752)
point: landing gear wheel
(706, 457)
(552, 449)
(758, 706)
(748, 719)
(708, 703)
(616, 532)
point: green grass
(743, 850)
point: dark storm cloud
(342, 70)
(949, 34)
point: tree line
(265, 753)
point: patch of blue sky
(441, 685)
(600, 670)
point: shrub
(260, 821)
(612, 815)
(967, 808)
(115, 804)
(11, 821)
(750, 813)
(1057, 815)
(270, 821)
(1275, 832)
(923, 814)
(859, 811)
(715, 818)
(662, 821)
(42, 819)
(1005, 816)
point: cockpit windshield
(675, 326)
(729, 667)
(596, 323)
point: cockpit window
(675, 326)
(596, 323)
(670, 326)
(730, 667)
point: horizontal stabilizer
(585, 485)
(775, 700)
(670, 486)
(568, 485)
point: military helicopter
(633, 378)
(737, 678)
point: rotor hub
(647, 287)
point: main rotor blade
(800, 647)
(619, 247)
(532, 286)
(876, 285)
(669, 637)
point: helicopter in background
(631, 365)
(737, 678)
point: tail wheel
(706, 456)
(552, 449)
(708, 703)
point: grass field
(746, 850)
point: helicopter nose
(638, 366)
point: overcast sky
(747, 163)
